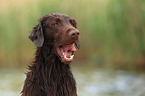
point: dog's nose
(74, 34)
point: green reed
(112, 31)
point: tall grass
(112, 31)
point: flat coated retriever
(55, 37)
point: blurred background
(111, 61)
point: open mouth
(66, 52)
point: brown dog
(55, 37)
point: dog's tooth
(63, 53)
(65, 56)
(72, 56)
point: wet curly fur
(47, 75)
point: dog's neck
(50, 75)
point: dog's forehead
(58, 15)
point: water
(89, 82)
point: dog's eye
(73, 22)
(56, 24)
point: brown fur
(48, 76)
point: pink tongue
(70, 47)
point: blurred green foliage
(112, 31)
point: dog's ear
(37, 35)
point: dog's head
(59, 30)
